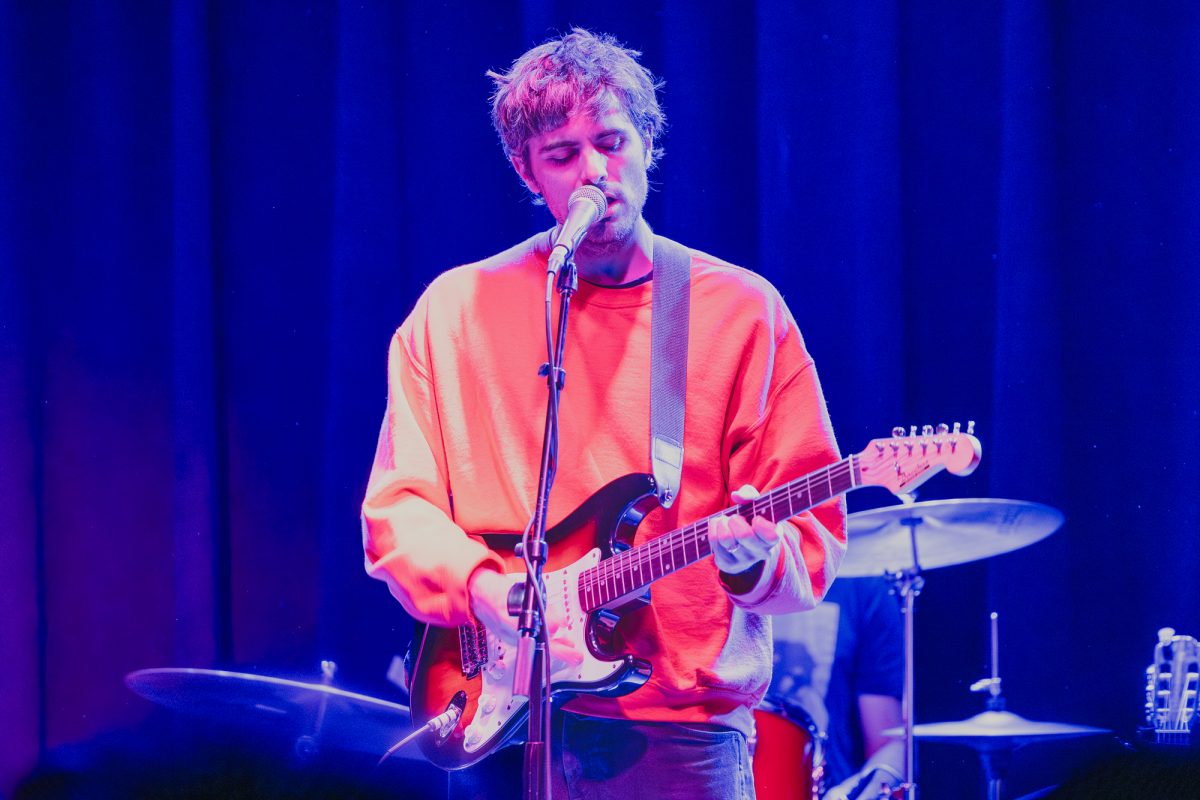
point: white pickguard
(496, 702)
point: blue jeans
(605, 759)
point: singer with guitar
(455, 474)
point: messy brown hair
(581, 70)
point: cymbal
(350, 721)
(949, 532)
(996, 730)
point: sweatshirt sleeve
(410, 540)
(780, 431)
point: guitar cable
(442, 724)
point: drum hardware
(995, 701)
(323, 714)
(902, 541)
(907, 584)
(1171, 686)
(951, 532)
(309, 745)
(995, 733)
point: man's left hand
(738, 545)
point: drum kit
(899, 542)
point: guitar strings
(776, 504)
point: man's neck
(630, 261)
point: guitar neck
(631, 571)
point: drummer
(842, 663)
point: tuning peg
(912, 431)
(898, 431)
(943, 429)
(957, 427)
(970, 426)
(927, 430)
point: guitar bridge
(473, 648)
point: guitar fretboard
(631, 571)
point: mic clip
(560, 374)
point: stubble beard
(621, 231)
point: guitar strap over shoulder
(670, 304)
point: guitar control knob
(489, 705)
(497, 670)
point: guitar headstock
(1172, 682)
(908, 459)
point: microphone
(584, 207)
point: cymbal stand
(995, 760)
(995, 701)
(308, 745)
(907, 585)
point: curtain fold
(199, 509)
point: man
(842, 664)
(460, 446)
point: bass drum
(788, 757)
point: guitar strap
(670, 302)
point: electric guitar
(597, 578)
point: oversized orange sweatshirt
(461, 441)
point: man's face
(605, 151)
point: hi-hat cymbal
(993, 730)
(330, 716)
(949, 532)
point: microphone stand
(531, 672)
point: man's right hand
(488, 590)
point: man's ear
(522, 168)
(649, 146)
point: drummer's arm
(885, 754)
(877, 713)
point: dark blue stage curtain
(213, 214)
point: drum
(788, 761)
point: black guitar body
(608, 521)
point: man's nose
(595, 167)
